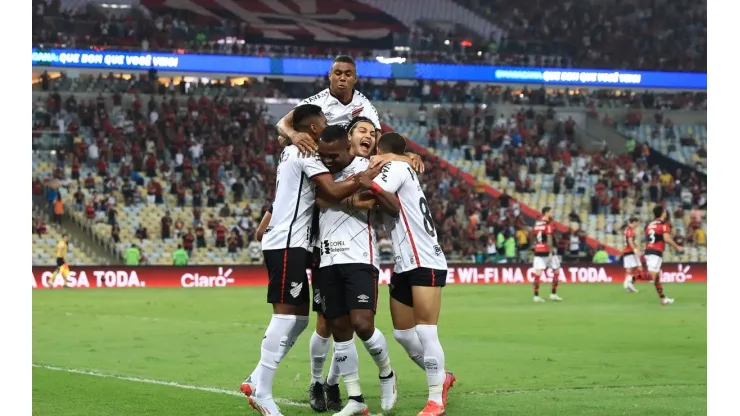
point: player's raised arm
(412, 159)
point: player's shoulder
(362, 98)
(397, 166)
(317, 98)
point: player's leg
(345, 352)
(539, 265)
(654, 264)
(362, 301)
(426, 289)
(402, 315)
(50, 280)
(557, 271)
(318, 349)
(630, 266)
(288, 293)
(64, 271)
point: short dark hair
(392, 143)
(344, 59)
(335, 133)
(658, 211)
(545, 210)
(357, 120)
(633, 220)
(304, 112)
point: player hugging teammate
(346, 282)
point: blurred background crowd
(153, 163)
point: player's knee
(322, 327)
(287, 309)
(364, 326)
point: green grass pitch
(600, 352)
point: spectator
(132, 257)
(180, 257)
(233, 243)
(58, 210)
(385, 248)
(115, 233)
(141, 233)
(166, 226)
(510, 247)
(601, 256)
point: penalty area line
(97, 373)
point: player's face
(362, 139)
(343, 76)
(335, 156)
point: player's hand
(680, 249)
(305, 143)
(283, 141)
(416, 163)
(378, 161)
(366, 178)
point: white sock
(318, 348)
(410, 342)
(332, 379)
(345, 355)
(274, 346)
(434, 360)
(378, 349)
(629, 278)
(301, 323)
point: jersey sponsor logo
(334, 246)
(296, 22)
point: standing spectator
(132, 257)
(115, 234)
(180, 257)
(233, 244)
(601, 256)
(220, 232)
(200, 236)
(166, 226)
(58, 210)
(188, 240)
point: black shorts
(286, 270)
(314, 261)
(401, 283)
(60, 261)
(346, 287)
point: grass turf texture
(600, 352)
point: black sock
(387, 377)
(358, 399)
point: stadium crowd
(582, 34)
(207, 164)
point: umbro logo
(363, 298)
(295, 289)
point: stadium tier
(604, 34)
(516, 152)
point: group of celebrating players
(329, 200)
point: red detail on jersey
(654, 233)
(411, 236)
(542, 228)
(629, 233)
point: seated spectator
(601, 256)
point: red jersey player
(544, 255)
(631, 256)
(657, 234)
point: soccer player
(419, 274)
(657, 234)
(544, 254)
(348, 284)
(62, 267)
(340, 102)
(631, 256)
(264, 223)
(285, 246)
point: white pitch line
(97, 373)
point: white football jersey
(295, 196)
(412, 232)
(347, 236)
(338, 113)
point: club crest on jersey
(356, 112)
